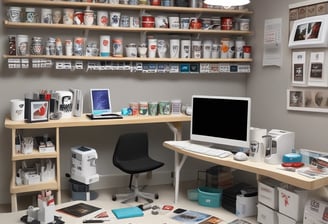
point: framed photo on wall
(299, 73)
(38, 111)
(312, 100)
(309, 32)
(317, 73)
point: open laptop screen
(100, 101)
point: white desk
(258, 168)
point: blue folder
(128, 212)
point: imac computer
(222, 121)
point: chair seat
(139, 165)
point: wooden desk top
(84, 121)
(259, 168)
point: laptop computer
(101, 107)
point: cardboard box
(283, 219)
(266, 215)
(268, 193)
(315, 212)
(292, 202)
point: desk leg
(176, 128)
(178, 163)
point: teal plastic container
(209, 197)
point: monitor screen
(221, 120)
(100, 101)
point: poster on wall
(314, 100)
(310, 32)
(317, 73)
(299, 68)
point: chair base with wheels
(131, 156)
(135, 193)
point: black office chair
(131, 156)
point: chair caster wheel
(114, 198)
(156, 196)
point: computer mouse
(240, 156)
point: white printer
(83, 167)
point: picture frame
(311, 100)
(38, 111)
(309, 32)
(299, 72)
(317, 70)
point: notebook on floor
(128, 212)
(101, 107)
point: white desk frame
(258, 168)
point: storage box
(283, 219)
(291, 203)
(266, 215)
(268, 193)
(315, 212)
(210, 197)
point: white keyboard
(202, 149)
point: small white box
(268, 193)
(315, 212)
(283, 219)
(291, 203)
(266, 215)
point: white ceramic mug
(174, 48)
(102, 18)
(89, 17)
(17, 109)
(196, 49)
(104, 45)
(174, 22)
(224, 48)
(185, 48)
(22, 45)
(56, 16)
(46, 15)
(152, 48)
(207, 49)
(68, 16)
(30, 15)
(162, 48)
(115, 19)
(14, 14)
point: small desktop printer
(83, 167)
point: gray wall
(125, 87)
(266, 85)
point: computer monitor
(100, 101)
(222, 121)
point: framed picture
(299, 74)
(312, 100)
(38, 111)
(310, 32)
(317, 72)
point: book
(79, 210)
(128, 212)
(193, 217)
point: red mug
(78, 18)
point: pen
(93, 221)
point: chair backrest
(131, 146)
